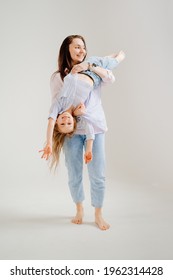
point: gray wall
(138, 105)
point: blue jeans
(104, 62)
(73, 150)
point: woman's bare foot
(100, 221)
(78, 219)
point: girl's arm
(47, 150)
(88, 152)
(90, 136)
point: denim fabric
(73, 150)
(104, 62)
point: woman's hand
(79, 67)
(79, 110)
(47, 151)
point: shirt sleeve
(55, 108)
(56, 84)
(89, 130)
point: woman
(71, 58)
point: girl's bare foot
(100, 221)
(119, 56)
(78, 219)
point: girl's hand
(47, 151)
(88, 157)
(79, 67)
(79, 110)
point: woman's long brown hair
(64, 58)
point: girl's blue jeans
(74, 159)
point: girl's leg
(85, 78)
(96, 170)
(70, 84)
(73, 150)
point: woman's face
(65, 122)
(77, 50)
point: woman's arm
(105, 74)
(87, 66)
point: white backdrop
(34, 205)
(138, 106)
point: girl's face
(65, 122)
(77, 50)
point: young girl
(76, 88)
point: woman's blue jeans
(73, 150)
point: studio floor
(35, 223)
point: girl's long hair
(64, 58)
(57, 144)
